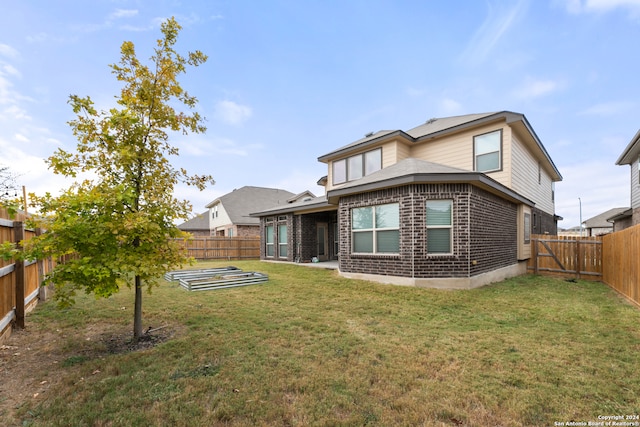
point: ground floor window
(269, 239)
(439, 226)
(282, 241)
(376, 229)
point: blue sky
(289, 81)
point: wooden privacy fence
(622, 262)
(579, 257)
(19, 281)
(613, 259)
(222, 248)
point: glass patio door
(323, 241)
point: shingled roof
(199, 222)
(243, 201)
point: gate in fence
(579, 257)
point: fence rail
(222, 248)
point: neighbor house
(450, 203)
(229, 214)
(601, 224)
(630, 156)
(197, 226)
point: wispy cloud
(20, 138)
(115, 17)
(11, 70)
(122, 13)
(232, 113)
(7, 51)
(601, 6)
(535, 88)
(609, 108)
(500, 19)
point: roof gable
(631, 152)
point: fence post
(535, 256)
(18, 235)
(578, 264)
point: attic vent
(368, 134)
(307, 199)
(431, 120)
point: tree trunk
(137, 313)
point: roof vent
(368, 134)
(431, 120)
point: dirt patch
(31, 359)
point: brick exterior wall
(484, 231)
(494, 232)
(246, 231)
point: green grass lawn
(311, 348)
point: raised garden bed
(215, 278)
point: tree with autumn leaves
(115, 228)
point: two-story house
(451, 203)
(630, 156)
(229, 215)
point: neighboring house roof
(631, 152)
(626, 213)
(439, 127)
(317, 204)
(601, 221)
(240, 203)
(199, 222)
(412, 170)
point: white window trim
(347, 174)
(267, 244)
(500, 153)
(280, 244)
(450, 227)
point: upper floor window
(487, 151)
(355, 167)
(638, 169)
